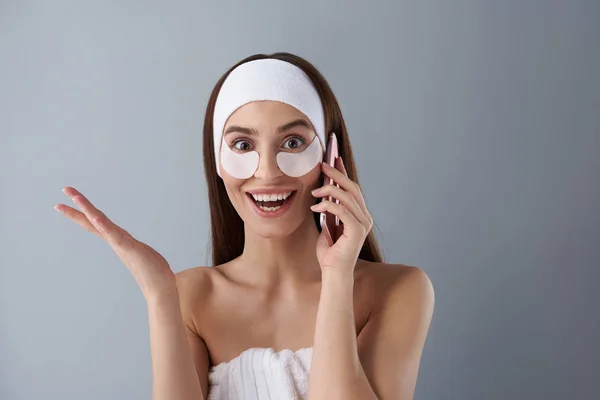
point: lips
(271, 209)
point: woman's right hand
(151, 271)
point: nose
(267, 166)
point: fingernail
(315, 191)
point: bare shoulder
(193, 281)
(396, 283)
(195, 287)
(392, 274)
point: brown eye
(294, 143)
(242, 145)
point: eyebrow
(281, 129)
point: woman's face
(268, 128)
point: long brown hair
(227, 228)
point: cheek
(232, 187)
(310, 181)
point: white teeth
(271, 197)
(269, 208)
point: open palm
(150, 269)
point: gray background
(483, 117)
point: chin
(273, 229)
(272, 233)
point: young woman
(280, 304)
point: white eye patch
(244, 165)
(299, 164)
(238, 165)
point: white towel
(261, 374)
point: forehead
(265, 114)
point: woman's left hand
(355, 220)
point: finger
(346, 198)
(344, 214)
(342, 179)
(86, 206)
(114, 234)
(78, 217)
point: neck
(284, 260)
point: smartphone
(330, 222)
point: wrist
(337, 276)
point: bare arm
(193, 289)
(179, 357)
(336, 372)
(383, 363)
(391, 344)
(178, 366)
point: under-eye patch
(238, 165)
(244, 165)
(301, 163)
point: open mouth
(271, 203)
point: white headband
(267, 79)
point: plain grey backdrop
(476, 130)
